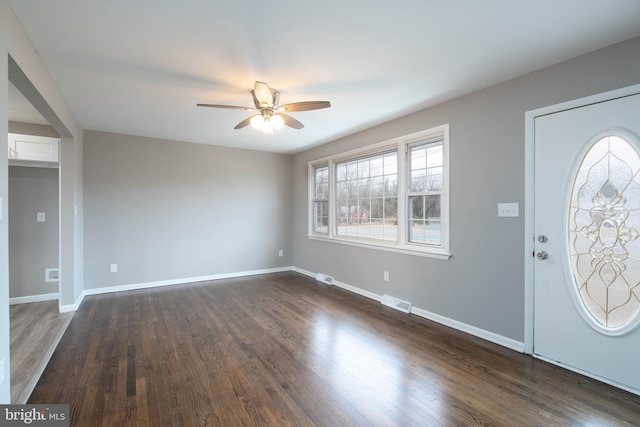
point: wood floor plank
(35, 329)
(284, 350)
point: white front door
(587, 240)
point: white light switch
(113, 268)
(508, 209)
(41, 217)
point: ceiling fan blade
(305, 106)
(291, 122)
(246, 122)
(230, 107)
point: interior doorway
(36, 323)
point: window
(366, 197)
(321, 200)
(426, 166)
(391, 196)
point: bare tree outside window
(367, 197)
(321, 200)
(392, 195)
(426, 165)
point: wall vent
(324, 278)
(398, 304)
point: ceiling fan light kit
(270, 115)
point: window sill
(435, 253)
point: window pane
(365, 194)
(321, 216)
(376, 167)
(426, 177)
(426, 165)
(424, 219)
(433, 181)
(391, 186)
(321, 200)
(391, 164)
(377, 187)
(364, 189)
(377, 208)
(418, 157)
(434, 155)
(418, 181)
(391, 208)
(363, 168)
(322, 183)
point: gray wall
(168, 210)
(33, 246)
(482, 285)
(33, 129)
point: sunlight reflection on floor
(364, 369)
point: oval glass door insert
(604, 231)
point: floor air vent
(398, 304)
(324, 278)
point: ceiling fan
(270, 115)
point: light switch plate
(41, 217)
(508, 209)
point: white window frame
(401, 144)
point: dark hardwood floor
(285, 350)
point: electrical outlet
(280, 253)
(386, 276)
(113, 268)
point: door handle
(542, 255)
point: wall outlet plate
(508, 209)
(51, 275)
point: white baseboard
(74, 306)
(34, 298)
(469, 329)
(146, 285)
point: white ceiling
(140, 67)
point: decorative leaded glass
(604, 226)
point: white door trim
(529, 169)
